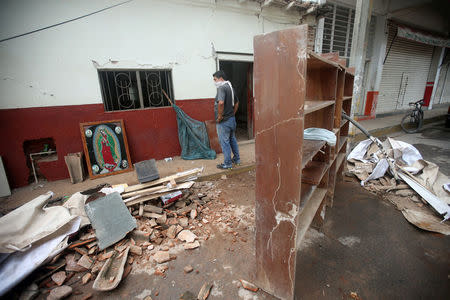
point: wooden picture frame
(105, 147)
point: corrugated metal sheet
(405, 73)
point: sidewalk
(64, 187)
(391, 123)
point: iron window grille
(135, 89)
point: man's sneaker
(223, 167)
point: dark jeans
(227, 139)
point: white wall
(57, 66)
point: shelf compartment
(313, 172)
(309, 210)
(343, 122)
(310, 149)
(317, 61)
(340, 158)
(311, 106)
(342, 140)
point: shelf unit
(295, 89)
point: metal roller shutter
(405, 73)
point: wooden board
(212, 135)
(310, 148)
(342, 140)
(105, 147)
(313, 172)
(171, 178)
(308, 212)
(311, 106)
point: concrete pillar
(358, 52)
(375, 68)
(319, 36)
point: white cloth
(221, 83)
(30, 223)
(320, 134)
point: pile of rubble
(415, 186)
(145, 226)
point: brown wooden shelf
(306, 193)
(309, 149)
(313, 172)
(347, 98)
(317, 61)
(340, 158)
(342, 140)
(313, 105)
(309, 210)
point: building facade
(405, 55)
(113, 62)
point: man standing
(225, 108)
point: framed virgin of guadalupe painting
(105, 147)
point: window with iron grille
(135, 89)
(338, 30)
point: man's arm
(236, 106)
(220, 106)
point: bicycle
(413, 120)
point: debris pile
(112, 229)
(415, 186)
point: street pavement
(368, 250)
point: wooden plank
(309, 149)
(159, 189)
(311, 106)
(175, 177)
(317, 61)
(306, 193)
(141, 199)
(144, 191)
(347, 98)
(343, 123)
(340, 158)
(308, 212)
(342, 140)
(313, 172)
(212, 136)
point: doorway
(240, 74)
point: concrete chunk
(60, 292)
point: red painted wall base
(152, 133)
(371, 105)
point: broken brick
(136, 250)
(161, 257)
(60, 292)
(59, 278)
(172, 231)
(248, 286)
(187, 236)
(85, 262)
(85, 279)
(189, 246)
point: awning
(422, 37)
